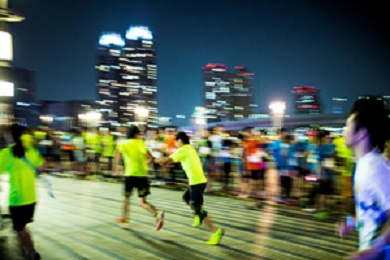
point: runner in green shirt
(193, 196)
(20, 161)
(135, 157)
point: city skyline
(340, 48)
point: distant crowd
(287, 168)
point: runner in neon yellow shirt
(108, 148)
(190, 161)
(20, 163)
(134, 154)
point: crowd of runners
(304, 169)
(310, 170)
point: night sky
(340, 47)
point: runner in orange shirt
(254, 163)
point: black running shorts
(257, 174)
(194, 194)
(141, 183)
(21, 216)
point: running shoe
(33, 255)
(123, 223)
(159, 220)
(321, 214)
(215, 238)
(197, 221)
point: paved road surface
(80, 224)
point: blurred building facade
(64, 115)
(339, 105)
(17, 85)
(306, 100)
(127, 77)
(227, 94)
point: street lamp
(141, 116)
(141, 112)
(277, 111)
(200, 120)
(91, 118)
(46, 119)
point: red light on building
(304, 89)
(211, 66)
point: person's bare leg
(210, 224)
(148, 207)
(125, 208)
(210, 181)
(25, 240)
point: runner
(19, 161)
(78, 143)
(254, 165)
(134, 155)
(193, 196)
(366, 133)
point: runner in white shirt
(366, 133)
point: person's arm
(150, 157)
(164, 161)
(4, 159)
(380, 243)
(177, 156)
(346, 227)
(381, 196)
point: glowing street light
(46, 119)
(5, 46)
(6, 89)
(200, 120)
(277, 107)
(277, 110)
(141, 112)
(90, 119)
(141, 115)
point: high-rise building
(242, 92)
(127, 74)
(339, 104)
(26, 109)
(216, 80)
(63, 115)
(306, 100)
(17, 85)
(109, 75)
(228, 95)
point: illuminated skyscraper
(127, 74)
(242, 92)
(307, 100)
(228, 95)
(109, 75)
(140, 75)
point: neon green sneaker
(322, 214)
(197, 222)
(215, 238)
